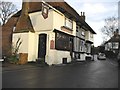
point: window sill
(66, 28)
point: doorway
(42, 46)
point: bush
(13, 59)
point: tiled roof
(24, 25)
(62, 7)
(114, 39)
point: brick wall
(7, 31)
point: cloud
(94, 8)
(96, 26)
(96, 12)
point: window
(68, 23)
(82, 45)
(91, 35)
(115, 45)
(62, 41)
(109, 46)
(83, 33)
(77, 28)
(88, 48)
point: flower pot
(23, 58)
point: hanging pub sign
(45, 9)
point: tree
(111, 24)
(6, 10)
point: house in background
(61, 36)
(113, 44)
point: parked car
(101, 56)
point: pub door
(42, 46)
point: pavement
(11, 67)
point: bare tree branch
(6, 10)
(111, 24)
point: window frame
(69, 20)
(62, 42)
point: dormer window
(68, 23)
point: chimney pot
(81, 13)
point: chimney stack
(24, 23)
(25, 8)
(116, 33)
(82, 15)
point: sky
(96, 11)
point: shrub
(14, 58)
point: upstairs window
(82, 45)
(115, 45)
(83, 33)
(77, 28)
(91, 35)
(68, 23)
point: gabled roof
(24, 25)
(63, 7)
(114, 39)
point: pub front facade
(52, 38)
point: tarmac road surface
(89, 74)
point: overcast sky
(95, 11)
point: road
(89, 74)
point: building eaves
(63, 7)
(113, 39)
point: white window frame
(68, 23)
(83, 33)
(115, 45)
(91, 35)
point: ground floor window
(63, 41)
(82, 46)
(88, 47)
(77, 55)
(79, 44)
